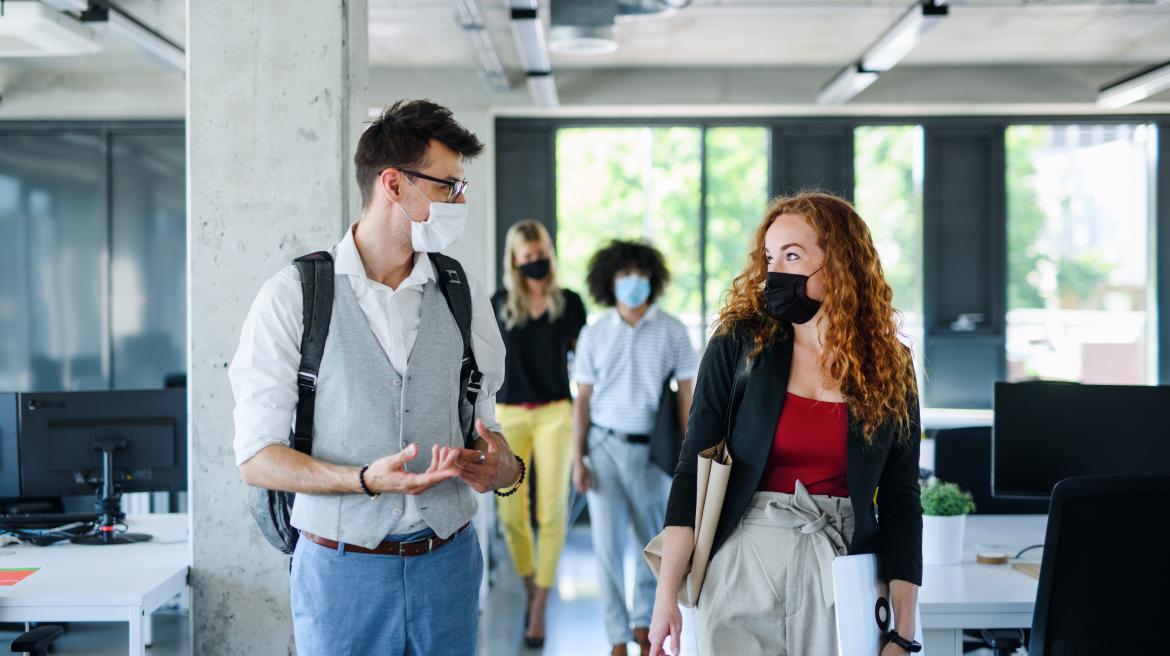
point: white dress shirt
(263, 372)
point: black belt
(632, 438)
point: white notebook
(856, 591)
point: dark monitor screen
(1048, 431)
(59, 430)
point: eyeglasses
(455, 188)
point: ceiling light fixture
(1135, 87)
(885, 53)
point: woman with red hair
(826, 434)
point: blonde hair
(515, 312)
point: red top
(809, 445)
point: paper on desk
(14, 576)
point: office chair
(1103, 573)
(37, 641)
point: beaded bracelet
(516, 485)
(362, 481)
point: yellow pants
(543, 434)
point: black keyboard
(45, 520)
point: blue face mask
(632, 290)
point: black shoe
(534, 643)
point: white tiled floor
(574, 624)
(574, 617)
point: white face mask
(443, 226)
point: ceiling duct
(586, 27)
(582, 27)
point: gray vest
(365, 410)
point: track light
(847, 84)
(1138, 86)
(903, 36)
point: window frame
(783, 129)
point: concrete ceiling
(731, 33)
(1002, 50)
(737, 33)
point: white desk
(974, 596)
(116, 583)
(938, 418)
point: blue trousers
(358, 604)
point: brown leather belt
(387, 547)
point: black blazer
(887, 468)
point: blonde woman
(539, 322)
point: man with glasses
(387, 561)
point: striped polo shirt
(626, 365)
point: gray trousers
(628, 492)
(769, 588)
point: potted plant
(944, 514)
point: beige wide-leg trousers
(769, 588)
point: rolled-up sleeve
(705, 425)
(263, 372)
(488, 346)
(900, 506)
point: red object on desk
(10, 577)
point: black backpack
(271, 508)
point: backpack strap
(316, 271)
(457, 291)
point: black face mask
(786, 295)
(537, 270)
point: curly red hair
(861, 351)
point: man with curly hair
(621, 363)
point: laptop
(860, 599)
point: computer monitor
(100, 443)
(49, 440)
(1047, 431)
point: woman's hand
(666, 624)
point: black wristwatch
(911, 646)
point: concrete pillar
(275, 106)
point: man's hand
(389, 474)
(582, 478)
(491, 466)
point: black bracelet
(516, 485)
(362, 480)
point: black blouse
(887, 467)
(536, 366)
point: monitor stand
(109, 503)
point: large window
(92, 257)
(645, 183)
(1078, 225)
(1016, 248)
(888, 195)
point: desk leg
(148, 629)
(137, 631)
(942, 642)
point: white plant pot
(942, 539)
